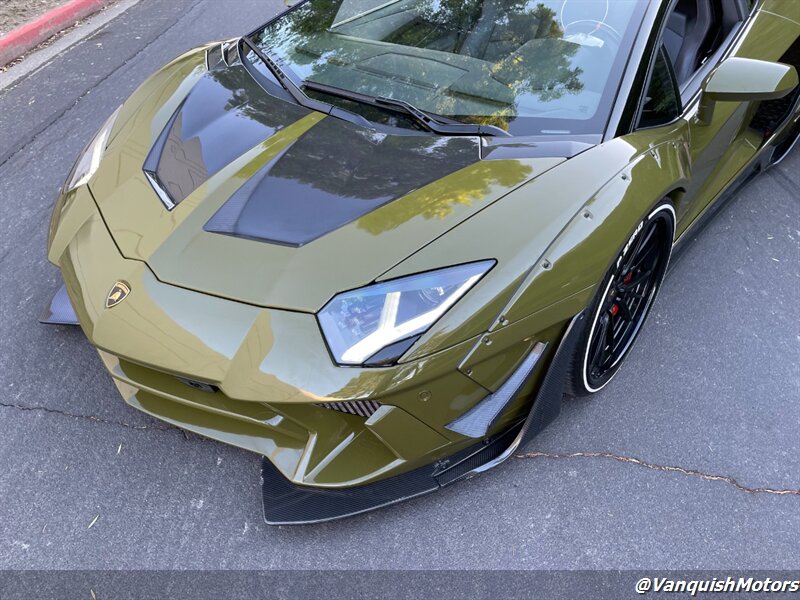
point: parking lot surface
(689, 459)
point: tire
(622, 302)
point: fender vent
(360, 408)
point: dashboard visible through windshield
(530, 68)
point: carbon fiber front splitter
(59, 311)
(286, 503)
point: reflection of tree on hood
(440, 172)
(440, 199)
(247, 97)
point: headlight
(377, 324)
(89, 160)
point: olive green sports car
(377, 241)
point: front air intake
(359, 408)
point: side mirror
(745, 80)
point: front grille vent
(360, 408)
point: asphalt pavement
(689, 459)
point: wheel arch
(593, 203)
(580, 256)
(564, 279)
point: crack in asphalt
(94, 419)
(664, 469)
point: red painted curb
(18, 41)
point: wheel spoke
(643, 241)
(640, 260)
(608, 344)
(600, 340)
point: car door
(717, 149)
(721, 148)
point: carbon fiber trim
(286, 503)
(547, 405)
(477, 421)
(59, 311)
(488, 452)
(548, 400)
(313, 188)
(224, 115)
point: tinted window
(661, 103)
(530, 67)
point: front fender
(554, 240)
(581, 254)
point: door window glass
(661, 104)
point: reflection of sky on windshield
(354, 9)
(481, 61)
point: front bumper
(288, 504)
(269, 384)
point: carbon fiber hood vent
(225, 114)
(332, 175)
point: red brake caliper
(625, 280)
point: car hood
(276, 205)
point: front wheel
(620, 307)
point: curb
(26, 37)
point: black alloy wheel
(622, 303)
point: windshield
(531, 68)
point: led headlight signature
(360, 324)
(89, 160)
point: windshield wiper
(426, 120)
(297, 94)
(290, 86)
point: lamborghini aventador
(378, 241)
